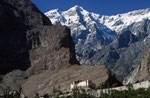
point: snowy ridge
(121, 21)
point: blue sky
(104, 7)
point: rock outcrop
(43, 54)
(145, 67)
(13, 81)
(56, 50)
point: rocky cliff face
(141, 73)
(17, 18)
(30, 43)
(56, 50)
(28, 37)
(36, 55)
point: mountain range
(116, 41)
(37, 57)
(40, 53)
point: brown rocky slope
(45, 82)
(36, 55)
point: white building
(82, 84)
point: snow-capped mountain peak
(79, 8)
(87, 31)
(76, 7)
(92, 31)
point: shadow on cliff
(14, 52)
